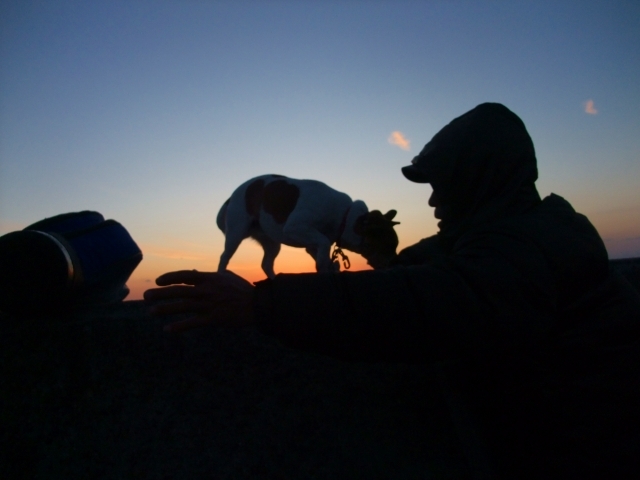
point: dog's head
(379, 239)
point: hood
(482, 166)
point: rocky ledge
(107, 394)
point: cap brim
(414, 174)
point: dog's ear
(390, 215)
(374, 221)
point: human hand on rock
(223, 299)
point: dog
(273, 209)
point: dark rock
(107, 394)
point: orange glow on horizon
(245, 263)
(618, 228)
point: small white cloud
(399, 140)
(590, 108)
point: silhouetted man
(513, 296)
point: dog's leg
(313, 251)
(271, 249)
(317, 245)
(232, 241)
(323, 256)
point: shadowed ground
(108, 394)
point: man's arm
(473, 301)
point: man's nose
(433, 199)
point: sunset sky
(153, 112)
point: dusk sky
(153, 112)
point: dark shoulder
(553, 224)
(556, 235)
(557, 226)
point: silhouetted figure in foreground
(538, 339)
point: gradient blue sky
(152, 112)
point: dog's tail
(222, 217)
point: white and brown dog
(273, 210)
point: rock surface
(107, 394)
(110, 395)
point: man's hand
(224, 299)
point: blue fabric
(102, 249)
(68, 222)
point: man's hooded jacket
(515, 291)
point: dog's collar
(343, 225)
